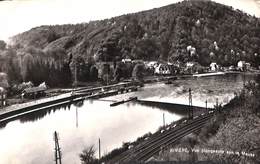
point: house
(126, 60)
(214, 67)
(34, 92)
(190, 67)
(240, 65)
(190, 64)
(247, 66)
(162, 69)
(3, 95)
(152, 64)
(243, 66)
(231, 68)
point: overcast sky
(17, 16)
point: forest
(199, 31)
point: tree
(88, 155)
(138, 72)
(146, 49)
(93, 73)
(2, 45)
(3, 80)
(118, 73)
(105, 72)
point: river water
(29, 139)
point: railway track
(166, 137)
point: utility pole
(206, 104)
(76, 79)
(77, 122)
(244, 78)
(217, 103)
(99, 149)
(2, 99)
(108, 67)
(57, 149)
(163, 120)
(190, 104)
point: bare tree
(88, 155)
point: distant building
(3, 95)
(232, 68)
(243, 66)
(214, 67)
(126, 60)
(247, 66)
(240, 65)
(190, 64)
(190, 67)
(162, 69)
(151, 64)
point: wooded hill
(201, 31)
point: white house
(152, 64)
(248, 65)
(162, 69)
(241, 65)
(214, 67)
(190, 64)
(126, 60)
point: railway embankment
(230, 136)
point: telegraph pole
(2, 98)
(190, 104)
(57, 149)
(244, 78)
(77, 122)
(206, 104)
(76, 79)
(217, 103)
(99, 149)
(163, 120)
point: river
(29, 139)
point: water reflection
(30, 139)
(35, 116)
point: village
(107, 73)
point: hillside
(200, 31)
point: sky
(17, 16)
